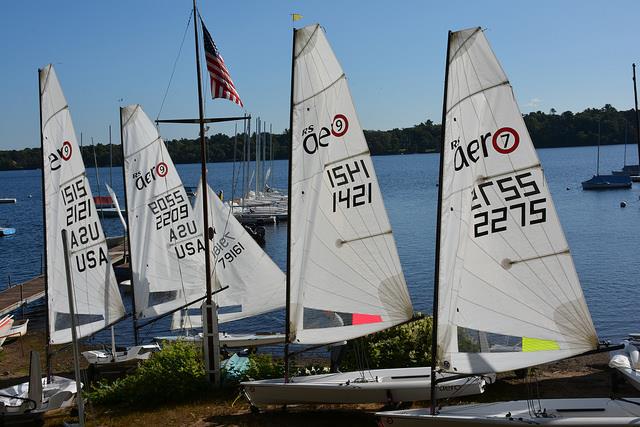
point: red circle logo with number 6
(505, 140)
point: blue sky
(567, 55)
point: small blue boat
(607, 182)
(7, 231)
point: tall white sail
(346, 280)
(256, 284)
(69, 205)
(167, 250)
(509, 295)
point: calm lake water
(603, 237)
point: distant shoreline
(547, 130)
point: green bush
(173, 373)
(398, 347)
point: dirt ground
(587, 376)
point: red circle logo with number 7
(505, 140)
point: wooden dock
(24, 293)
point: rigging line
(175, 63)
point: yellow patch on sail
(535, 344)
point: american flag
(221, 83)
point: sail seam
(66, 107)
(502, 83)
(343, 75)
(563, 252)
(463, 43)
(128, 156)
(333, 162)
(308, 41)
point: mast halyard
(214, 374)
(635, 98)
(434, 323)
(287, 325)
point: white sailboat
(68, 205)
(345, 278)
(167, 250)
(507, 293)
(256, 285)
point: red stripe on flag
(363, 319)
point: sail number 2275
(518, 202)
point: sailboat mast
(436, 284)
(134, 316)
(110, 159)
(287, 326)
(635, 97)
(213, 375)
(44, 233)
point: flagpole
(213, 356)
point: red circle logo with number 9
(66, 151)
(162, 169)
(339, 125)
(505, 140)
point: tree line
(547, 130)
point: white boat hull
(384, 386)
(60, 393)
(232, 340)
(103, 357)
(560, 412)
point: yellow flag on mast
(296, 17)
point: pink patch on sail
(363, 319)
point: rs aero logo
(143, 179)
(313, 140)
(503, 141)
(62, 153)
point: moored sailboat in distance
(507, 295)
(344, 275)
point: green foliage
(175, 373)
(547, 130)
(262, 366)
(401, 346)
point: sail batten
(69, 204)
(509, 293)
(345, 275)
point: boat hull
(385, 386)
(560, 412)
(232, 340)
